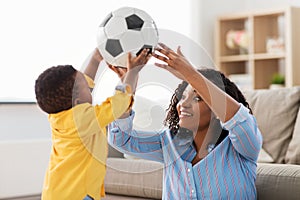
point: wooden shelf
(261, 62)
(234, 58)
(264, 56)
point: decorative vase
(276, 86)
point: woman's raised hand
(174, 62)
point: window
(36, 35)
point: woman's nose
(186, 102)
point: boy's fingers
(143, 54)
(148, 57)
(143, 57)
(117, 70)
(111, 67)
(123, 71)
(129, 56)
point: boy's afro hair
(54, 88)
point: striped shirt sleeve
(143, 144)
(244, 133)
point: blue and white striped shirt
(227, 172)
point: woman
(212, 142)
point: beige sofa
(278, 173)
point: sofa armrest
(278, 181)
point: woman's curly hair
(54, 88)
(220, 80)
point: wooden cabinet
(272, 39)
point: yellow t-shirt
(79, 149)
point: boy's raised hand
(139, 61)
(132, 62)
(136, 63)
(120, 71)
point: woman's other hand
(174, 62)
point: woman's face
(193, 112)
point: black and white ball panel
(126, 30)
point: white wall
(24, 149)
(23, 166)
(23, 122)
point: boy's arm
(93, 64)
(119, 103)
(129, 76)
(134, 66)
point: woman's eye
(198, 99)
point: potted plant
(277, 81)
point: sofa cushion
(264, 157)
(278, 181)
(293, 151)
(275, 111)
(114, 153)
(134, 177)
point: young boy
(79, 145)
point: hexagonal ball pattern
(131, 41)
(124, 12)
(149, 34)
(115, 27)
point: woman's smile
(184, 114)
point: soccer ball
(126, 30)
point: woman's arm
(243, 131)
(142, 144)
(223, 105)
(244, 134)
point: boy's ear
(76, 101)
